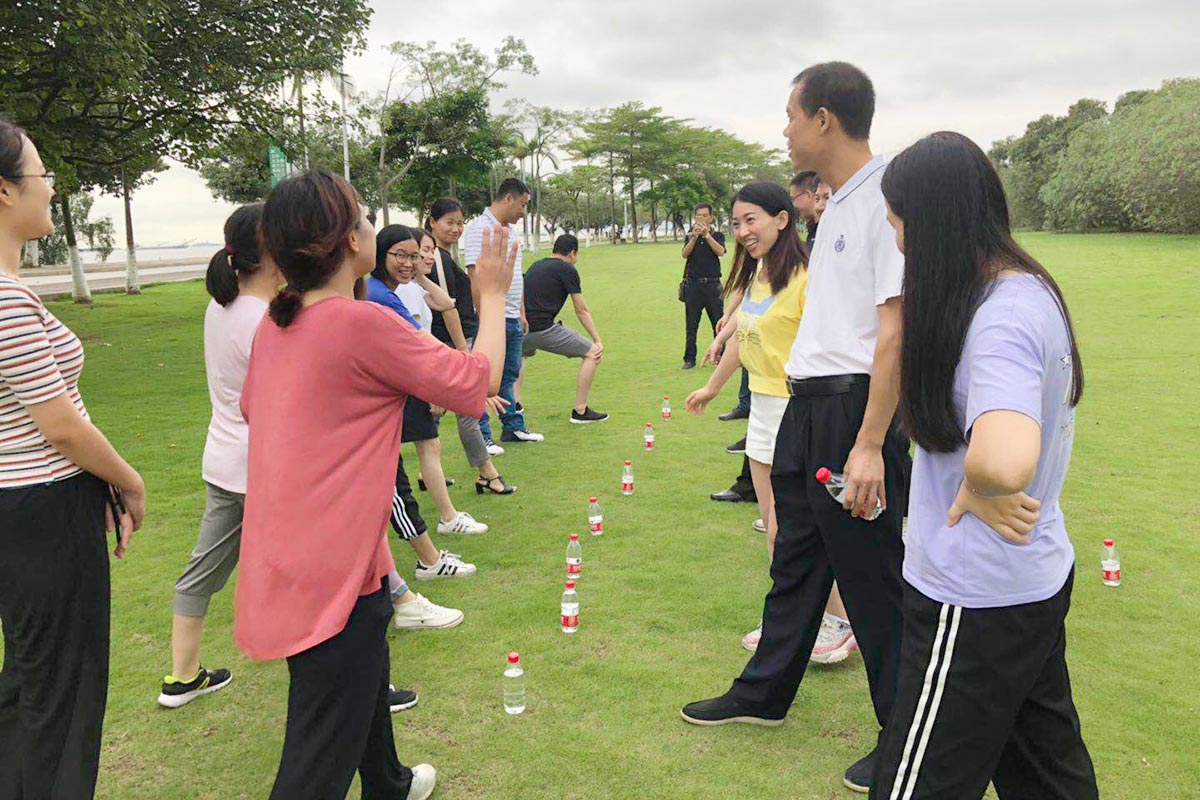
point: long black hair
(440, 208)
(957, 239)
(387, 237)
(239, 257)
(787, 255)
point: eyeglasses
(48, 177)
(401, 256)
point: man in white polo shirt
(508, 208)
(844, 381)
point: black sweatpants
(338, 719)
(54, 607)
(819, 541)
(702, 295)
(984, 696)
(406, 514)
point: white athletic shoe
(524, 435)
(463, 523)
(424, 779)
(750, 640)
(760, 526)
(494, 449)
(424, 614)
(448, 565)
(835, 641)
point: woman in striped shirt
(60, 483)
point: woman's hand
(698, 400)
(713, 354)
(131, 516)
(496, 404)
(497, 255)
(1011, 516)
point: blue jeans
(511, 419)
(744, 393)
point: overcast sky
(984, 69)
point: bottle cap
(647, 424)
(1108, 542)
(513, 658)
(570, 584)
(574, 537)
(629, 463)
(666, 397)
(823, 475)
(591, 500)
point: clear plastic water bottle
(574, 557)
(649, 436)
(570, 609)
(1110, 564)
(666, 411)
(595, 517)
(835, 484)
(514, 685)
(627, 479)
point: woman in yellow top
(769, 275)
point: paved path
(56, 281)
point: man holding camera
(701, 278)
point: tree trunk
(383, 197)
(633, 199)
(300, 103)
(31, 254)
(537, 205)
(612, 189)
(80, 292)
(132, 286)
(653, 215)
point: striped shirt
(473, 242)
(40, 358)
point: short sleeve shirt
(228, 336)
(703, 262)
(380, 294)
(1016, 357)
(854, 267)
(458, 286)
(766, 328)
(472, 240)
(413, 297)
(548, 284)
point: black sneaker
(732, 495)
(737, 413)
(737, 448)
(724, 709)
(520, 408)
(400, 699)
(688, 365)
(858, 777)
(176, 693)
(588, 416)
(521, 436)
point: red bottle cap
(629, 463)
(1108, 542)
(647, 424)
(570, 584)
(591, 500)
(574, 537)
(513, 658)
(665, 397)
(823, 475)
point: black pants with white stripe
(406, 515)
(984, 696)
(819, 541)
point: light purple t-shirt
(1017, 357)
(228, 335)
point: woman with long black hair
(769, 275)
(990, 377)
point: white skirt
(766, 412)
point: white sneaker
(750, 640)
(448, 565)
(424, 779)
(760, 526)
(424, 614)
(523, 435)
(494, 449)
(835, 641)
(463, 523)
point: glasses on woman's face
(404, 257)
(48, 177)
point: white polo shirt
(473, 242)
(854, 267)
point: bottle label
(627, 487)
(570, 615)
(650, 441)
(666, 413)
(1113, 575)
(596, 523)
(574, 566)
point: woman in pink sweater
(324, 396)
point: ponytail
(239, 257)
(221, 278)
(285, 306)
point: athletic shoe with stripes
(400, 699)
(176, 693)
(493, 449)
(835, 641)
(448, 565)
(463, 523)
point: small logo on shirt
(840, 244)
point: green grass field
(676, 580)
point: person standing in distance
(843, 377)
(803, 189)
(702, 273)
(507, 209)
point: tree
(545, 131)
(98, 234)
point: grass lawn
(676, 580)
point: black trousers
(338, 719)
(984, 696)
(54, 607)
(703, 295)
(819, 541)
(744, 485)
(406, 514)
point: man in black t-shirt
(702, 274)
(548, 284)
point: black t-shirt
(703, 262)
(812, 233)
(547, 285)
(460, 290)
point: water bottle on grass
(627, 479)
(514, 685)
(574, 557)
(570, 609)
(595, 517)
(1110, 564)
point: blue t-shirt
(1017, 357)
(378, 292)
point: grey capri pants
(215, 554)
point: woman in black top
(456, 327)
